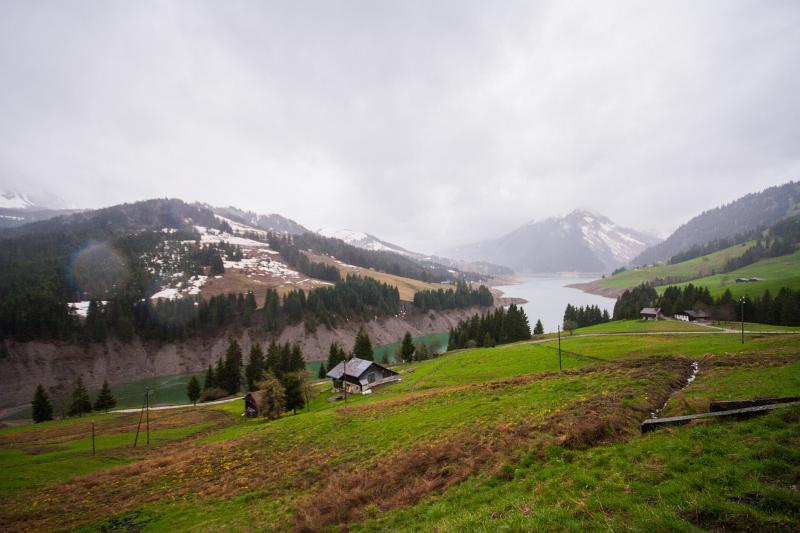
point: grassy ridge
(776, 272)
(691, 269)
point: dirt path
(181, 406)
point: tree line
(782, 309)
(79, 405)
(129, 314)
(281, 373)
(581, 317)
(463, 296)
(489, 329)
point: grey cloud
(420, 122)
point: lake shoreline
(546, 297)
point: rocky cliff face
(57, 365)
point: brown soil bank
(56, 365)
(592, 287)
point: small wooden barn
(359, 375)
(651, 313)
(252, 404)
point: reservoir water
(548, 297)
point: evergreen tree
(487, 341)
(80, 399)
(255, 366)
(295, 398)
(322, 374)
(273, 396)
(42, 408)
(363, 346)
(193, 390)
(296, 361)
(407, 348)
(105, 400)
(421, 352)
(335, 355)
(233, 367)
(273, 361)
(221, 375)
(209, 381)
(538, 329)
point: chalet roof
(696, 314)
(650, 311)
(355, 368)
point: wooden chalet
(252, 404)
(651, 313)
(359, 375)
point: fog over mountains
(581, 241)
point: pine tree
(255, 366)
(105, 400)
(80, 399)
(273, 397)
(363, 346)
(293, 384)
(487, 341)
(335, 355)
(221, 375)
(233, 368)
(296, 361)
(322, 374)
(538, 329)
(193, 390)
(42, 408)
(273, 361)
(209, 381)
(407, 348)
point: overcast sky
(420, 122)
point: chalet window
(371, 377)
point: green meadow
(485, 439)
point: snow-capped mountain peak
(15, 200)
(359, 239)
(582, 241)
(612, 243)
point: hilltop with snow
(581, 241)
(359, 239)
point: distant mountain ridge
(18, 208)
(752, 211)
(581, 241)
(359, 239)
(272, 222)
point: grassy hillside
(775, 272)
(483, 439)
(687, 270)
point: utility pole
(139, 425)
(147, 403)
(741, 300)
(559, 347)
(344, 381)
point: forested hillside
(139, 270)
(756, 210)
